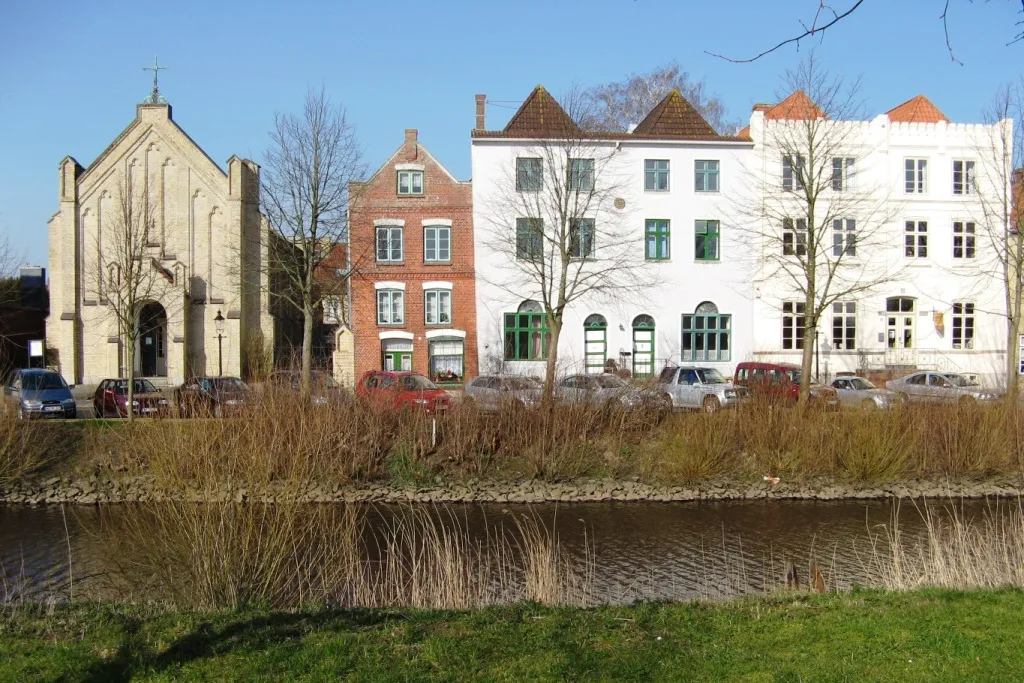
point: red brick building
(413, 298)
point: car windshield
(41, 381)
(793, 375)
(417, 383)
(519, 384)
(229, 384)
(142, 386)
(861, 384)
(711, 376)
(610, 382)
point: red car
(111, 399)
(403, 390)
(781, 382)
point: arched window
(707, 334)
(643, 346)
(595, 342)
(526, 332)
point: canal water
(636, 550)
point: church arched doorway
(151, 344)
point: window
(844, 237)
(915, 176)
(794, 237)
(657, 238)
(389, 243)
(705, 176)
(581, 175)
(656, 175)
(410, 182)
(792, 172)
(793, 325)
(529, 174)
(581, 238)
(899, 322)
(842, 174)
(396, 355)
(437, 306)
(526, 333)
(446, 360)
(643, 346)
(390, 307)
(529, 239)
(1020, 352)
(844, 325)
(963, 239)
(963, 325)
(595, 342)
(915, 239)
(963, 177)
(437, 244)
(706, 237)
(706, 334)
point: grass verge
(866, 635)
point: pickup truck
(698, 388)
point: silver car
(493, 392)
(697, 388)
(607, 389)
(940, 387)
(857, 392)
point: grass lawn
(867, 635)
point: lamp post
(817, 367)
(219, 322)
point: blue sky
(71, 72)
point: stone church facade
(203, 245)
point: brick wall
(443, 198)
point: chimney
(411, 148)
(481, 103)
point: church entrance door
(152, 345)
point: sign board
(35, 348)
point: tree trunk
(306, 379)
(130, 377)
(1013, 325)
(807, 357)
(552, 362)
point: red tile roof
(796, 107)
(744, 133)
(674, 117)
(541, 116)
(917, 110)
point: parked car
(857, 392)
(111, 399)
(323, 388)
(608, 389)
(781, 382)
(494, 392)
(40, 393)
(940, 387)
(400, 390)
(211, 396)
(699, 388)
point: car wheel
(710, 404)
(97, 412)
(868, 404)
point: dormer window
(410, 183)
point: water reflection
(639, 550)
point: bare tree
(826, 15)
(811, 207)
(615, 106)
(560, 236)
(305, 195)
(125, 276)
(1001, 158)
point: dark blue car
(40, 393)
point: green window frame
(595, 343)
(656, 175)
(581, 238)
(389, 244)
(410, 183)
(707, 334)
(390, 307)
(529, 239)
(437, 244)
(437, 307)
(707, 240)
(446, 360)
(526, 333)
(705, 175)
(657, 239)
(643, 346)
(581, 175)
(529, 174)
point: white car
(857, 392)
(699, 388)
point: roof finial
(155, 97)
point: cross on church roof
(155, 97)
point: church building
(155, 246)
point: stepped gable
(796, 107)
(541, 116)
(917, 109)
(674, 117)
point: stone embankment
(95, 490)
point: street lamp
(219, 322)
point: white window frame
(793, 166)
(794, 237)
(964, 324)
(842, 181)
(912, 239)
(966, 184)
(390, 307)
(410, 177)
(792, 311)
(844, 237)
(965, 239)
(438, 302)
(915, 175)
(844, 319)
